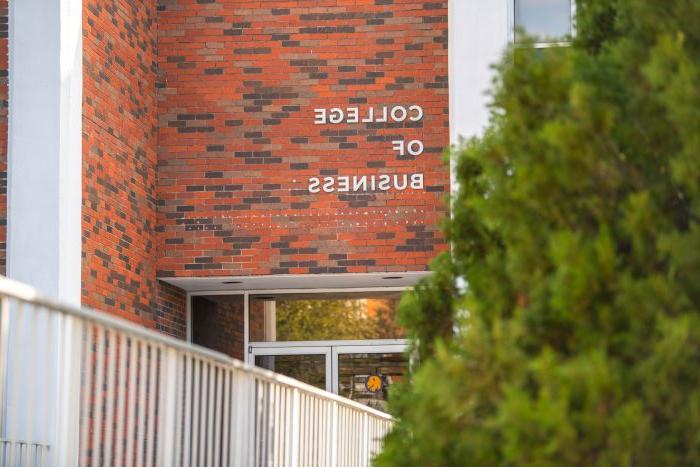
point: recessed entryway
(342, 340)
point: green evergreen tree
(576, 341)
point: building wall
(227, 151)
(119, 166)
(171, 305)
(238, 144)
(4, 5)
(218, 324)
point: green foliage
(426, 312)
(576, 228)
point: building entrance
(346, 342)
(359, 370)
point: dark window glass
(547, 20)
(309, 369)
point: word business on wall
(380, 182)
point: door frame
(274, 351)
(330, 349)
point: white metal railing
(84, 388)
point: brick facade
(238, 143)
(218, 324)
(199, 142)
(3, 130)
(119, 165)
(170, 310)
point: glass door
(310, 365)
(364, 373)
(361, 372)
(340, 341)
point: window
(320, 317)
(549, 21)
(354, 370)
(310, 369)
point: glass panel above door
(324, 317)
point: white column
(44, 148)
(270, 320)
(478, 34)
(44, 231)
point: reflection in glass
(548, 20)
(336, 317)
(309, 369)
(354, 371)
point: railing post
(295, 429)
(4, 344)
(43, 383)
(70, 335)
(243, 413)
(167, 408)
(334, 435)
(365, 438)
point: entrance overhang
(300, 281)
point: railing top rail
(27, 294)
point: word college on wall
(381, 182)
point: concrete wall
(44, 193)
(44, 161)
(479, 33)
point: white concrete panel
(44, 146)
(479, 31)
(44, 231)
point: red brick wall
(170, 310)
(217, 323)
(3, 130)
(119, 165)
(237, 142)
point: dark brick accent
(217, 323)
